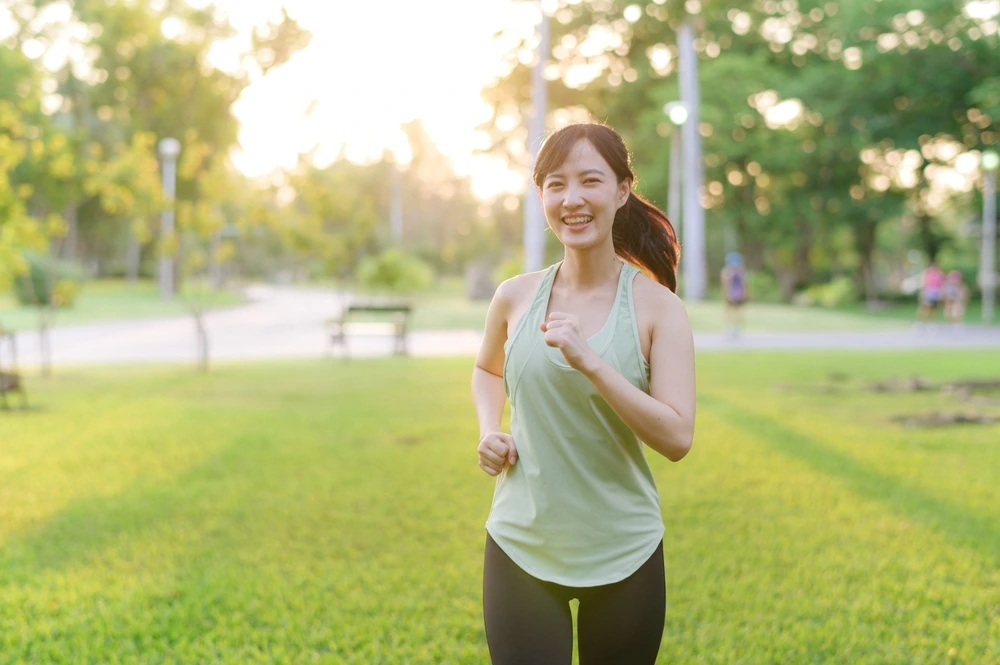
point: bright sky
(372, 66)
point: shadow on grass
(88, 525)
(969, 530)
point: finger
(559, 316)
(488, 469)
(492, 458)
(495, 444)
(495, 453)
(511, 449)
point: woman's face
(581, 196)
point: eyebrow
(582, 173)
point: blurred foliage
(821, 121)
(836, 293)
(394, 271)
(47, 282)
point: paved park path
(285, 322)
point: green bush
(835, 293)
(48, 281)
(762, 287)
(394, 271)
(512, 267)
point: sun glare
(369, 69)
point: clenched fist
(562, 331)
(496, 450)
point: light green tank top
(580, 507)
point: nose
(572, 196)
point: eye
(553, 185)
(591, 181)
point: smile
(577, 220)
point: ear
(624, 191)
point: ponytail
(642, 234)
(644, 237)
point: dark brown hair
(642, 234)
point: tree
(813, 112)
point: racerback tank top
(580, 507)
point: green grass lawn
(332, 512)
(101, 300)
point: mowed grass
(332, 512)
(103, 300)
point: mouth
(577, 221)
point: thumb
(511, 451)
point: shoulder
(653, 297)
(516, 289)
(659, 312)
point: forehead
(583, 156)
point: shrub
(394, 271)
(512, 267)
(763, 287)
(835, 293)
(48, 281)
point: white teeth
(573, 221)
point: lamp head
(677, 112)
(169, 148)
(990, 160)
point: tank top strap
(536, 313)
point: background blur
(264, 189)
(842, 142)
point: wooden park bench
(397, 312)
(10, 379)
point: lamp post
(169, 148)
(534, 217)
(693, 261)
(987, 260)
(677, 113)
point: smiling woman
(596, 359)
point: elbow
(677, 448)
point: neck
(582, 271)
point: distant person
(930, 293)
(734, 293)
(955, 296)
(596, 356)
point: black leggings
(528, 621)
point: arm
(663, 419)
(496, 449)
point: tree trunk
(44, 343)
(930, 240)
(133, 255)
(202, 340)
(864, 244)
(72, 231)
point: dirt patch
(976, 391)
(982, 392)
(912, 384)
(944, 419)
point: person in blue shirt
(734, 293)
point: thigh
(528, 621)
(623, 622)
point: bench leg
(400, 348)
(339, 336)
